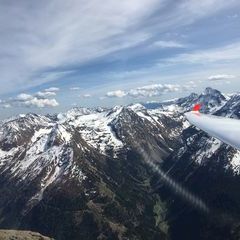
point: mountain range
(129, 172)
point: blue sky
(57, 54)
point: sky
(57, 54)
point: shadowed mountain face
(83, 175)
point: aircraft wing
(225, 129)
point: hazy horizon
(53, 111)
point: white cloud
(24, 97)
(117, 93)
(220, 77)
(39, 100)
(152, 90)
(168, 44)
(52, 89)
(74, 88)
(87, 95)
(6, 105)
(41, 103)
(45, 94)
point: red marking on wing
(197, 107)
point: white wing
(225, 129)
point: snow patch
(96, 130)
(235, 162)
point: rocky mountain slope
(21, 235)
(210, 169)
(83, 175)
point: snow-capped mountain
(231, 108)
(82, 159)
(210, 169)
(80, 174)
(211, 100)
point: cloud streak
(152, 90)
(87, 95)
(39, 40)
(116, 93)
(74, 88)
(226, 53)
(220, 77)
(45, 94)
(52, 89)
(168, 44)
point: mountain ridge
(86, 168)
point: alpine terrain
(137, 172)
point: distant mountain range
(82, 174)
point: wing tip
(196, 107)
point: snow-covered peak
(211, 94)
(95, 129)
(18, 131)
(231, 108)
(211, 100)
(59, 135)
(117, 109)
(136, 107)
(73, 113)
(211, 91)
